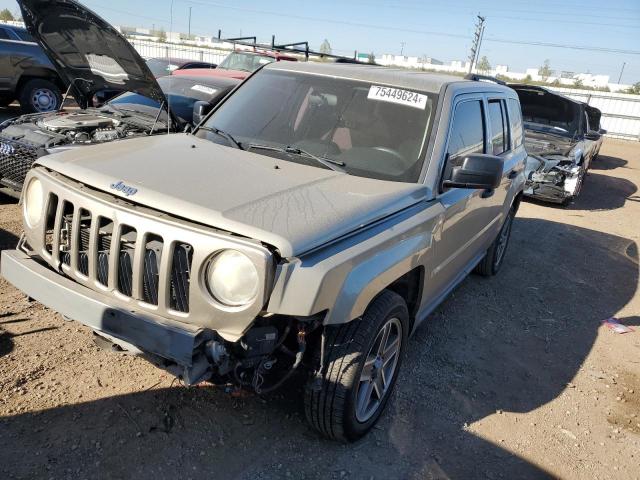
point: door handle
(512, 174)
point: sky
(518, 33)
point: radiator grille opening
(84, 230)
(65, 232)
(150, 274)
(50, 219)
(180, 277)
(105, 232)
(125, 262)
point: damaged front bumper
(554, 179)
(179, 343)
(188, 351)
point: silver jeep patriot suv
(309, 224)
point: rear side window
(515, 119)
(4, 35)
(499, 131)
(467, 134)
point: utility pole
(477, 40)
(402, 44)
(190, 22)
(621, 70)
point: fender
(343, 278)
(365, 281)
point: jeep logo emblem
(121, 187)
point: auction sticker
(204, 89)
(397, 95)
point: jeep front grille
(139, 259)
(15, 161)
(77, 256)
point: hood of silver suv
(292, 207)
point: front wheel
(40, 95)
(362, 361)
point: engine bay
(64, 128)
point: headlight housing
(33, 202)
(232, 278)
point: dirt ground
(512, 377)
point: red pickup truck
(240, 64)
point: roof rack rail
(477, 78)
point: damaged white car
(559, 141)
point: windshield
(181, 93)
(246, 62)
(370, 130)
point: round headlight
(232, 278)
(33, 202)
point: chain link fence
(150, 49)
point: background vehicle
(26, 138)
(559, 141)
(161, 67)
(241, 64)
(26, 73)
(315, 218)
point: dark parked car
(26, 73)
(161, 67)
(150, 106)
(559, 141)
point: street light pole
(190, 22)
(621, 70)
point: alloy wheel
(379, 370)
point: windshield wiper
(335, 165)
(227, 136)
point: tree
(633, 89)
(483, 65)
(162, 36)
(371, 58)
(545, 70)
(6, 15)
(325, 47)
(527, 79)
(577, 82)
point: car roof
(211, 73)
(398, 77)
(212, 81)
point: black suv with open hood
(559, 141)
(92, 57)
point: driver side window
(467, 134)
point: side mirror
(478, 171)
(592, 135)
(200, 110)
(602, 131)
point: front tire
(362, 361)
(492, 261)
(39, 95)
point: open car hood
(87, 51)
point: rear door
(468, 212)
(501, 145)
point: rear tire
(362, 360)
(39, 95)
(492, 261)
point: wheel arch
(39, 73)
